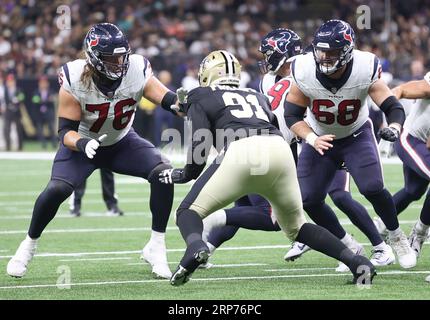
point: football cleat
(428, 278)
(183, 273)
(363, 270)
(417, 239)
(406, 256)
(296, 251)
(206, 265)
(357, 249)
(155, 254)
(114, 211)
(75, 211)
(17, 266)
(383, 257)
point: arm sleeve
(293, 113)
(201, 142)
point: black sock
(383, 204)
(160, 203)
(190, 225)
(253, 218)
(324, 216)
(46, 206)
(322, 240)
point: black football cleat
(183, 273)
(363, 271)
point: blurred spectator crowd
(36, 39)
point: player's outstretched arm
(418, 89)
(159, 94)
(390, 105)
(295, 108)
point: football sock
(324, 216)
(190, 225)
(402, 199)
(253, 218)
(384, 207)
(220, 235)
(357, 214)
(320, 239)
(425, 211)
(46, 206)
(160, 203)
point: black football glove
(170, 176)
(389, 133)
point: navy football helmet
(333, 45)
(107, 50)
(278, 46)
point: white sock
(215, 220)
(211, 247)
(381, 246)
(158, 237)
(346, 240)
(34, 241)
(421, 227)
(395, 233)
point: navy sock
(357, 214)
(425, 211)
(47, 204)
(383, 204)
(253, 218)
(160, 203)
(320, 239)
(324, 216)
(220, 235)
(402, 199)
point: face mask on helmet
(328, 60)
(115, 66)
(272, 62)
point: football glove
(90, 146)
(170, 176)
(389, 133)
(182, 95)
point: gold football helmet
(219, 68)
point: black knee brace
(153, 175)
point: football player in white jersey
(97, 102)
(413, 148)
(279, 47)
(334, 81)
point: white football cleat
(296, 251)
(416, 239)
(206, 265)
(355, 247)
(383, 257)
(428, 278)
(155, 254)
(380, 226)
(405, 254)
(17, 266)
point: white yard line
(388, 273)
(89, 230)
(79, 254)
(95, 259)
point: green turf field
(101, 254)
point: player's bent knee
(153, 175)
(58, 188)
(339, 197)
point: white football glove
(182, 95)
(170, 176)
(92, 146)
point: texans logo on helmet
(280, 43)
(94, 41)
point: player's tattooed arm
(295, 107)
